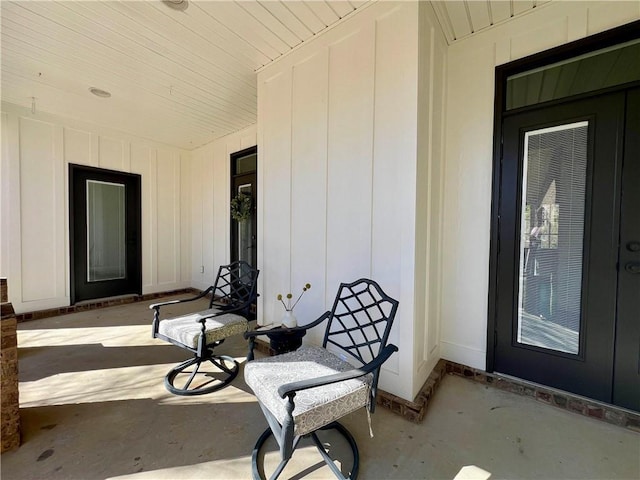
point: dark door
(105, 241)
(626, 390)
(566, 313)
(244, 205)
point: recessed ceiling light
(180, 5)
(99, 92)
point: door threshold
(125, 298)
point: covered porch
(375, 147)
(94, 407)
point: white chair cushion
(186, 329)
(315, 407)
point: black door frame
(133, 188)
(628, 32)
(233, 234)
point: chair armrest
(318, 321)
(182, 300)
(292, 388)
(155, 326)
(222, 312)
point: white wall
(432, 55)
(469, 143)
(209, 200)
(338, 163)
(36, 151)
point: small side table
(286, 341)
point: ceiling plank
(213, 30)
(239, 21)
(342, 8)
(500, 10)
(440, 9)
(302, 12)
(459, 20)
(479, 11)
(323, 12)
(521, 6)
(358, 3)
(270, 22)
(197, 32)
(280, 11)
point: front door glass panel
(551, 237)
(106, 220)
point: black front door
(244, 201)
(568, 293)
(626, 391)
(105, 241)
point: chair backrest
(360, 320)
(235, 286)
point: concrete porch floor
(93, 406)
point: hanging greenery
(241, 207)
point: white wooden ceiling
(184, 77)
(461, 18)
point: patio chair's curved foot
(200, 381)
(258, 473)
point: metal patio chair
(232, 295)
(310, 389)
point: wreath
(241, 207)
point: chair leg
(352, 443)
(255, 471)
(328, 460)
(210, 382)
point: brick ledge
(102, 303)
(550, 396)
(415, 411)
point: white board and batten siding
(209, 198)
(37, 151)
(469, 144)
(337, 132)
(432, 54)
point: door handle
(632, 267)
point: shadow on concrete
(109, 439)
(82, 358)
